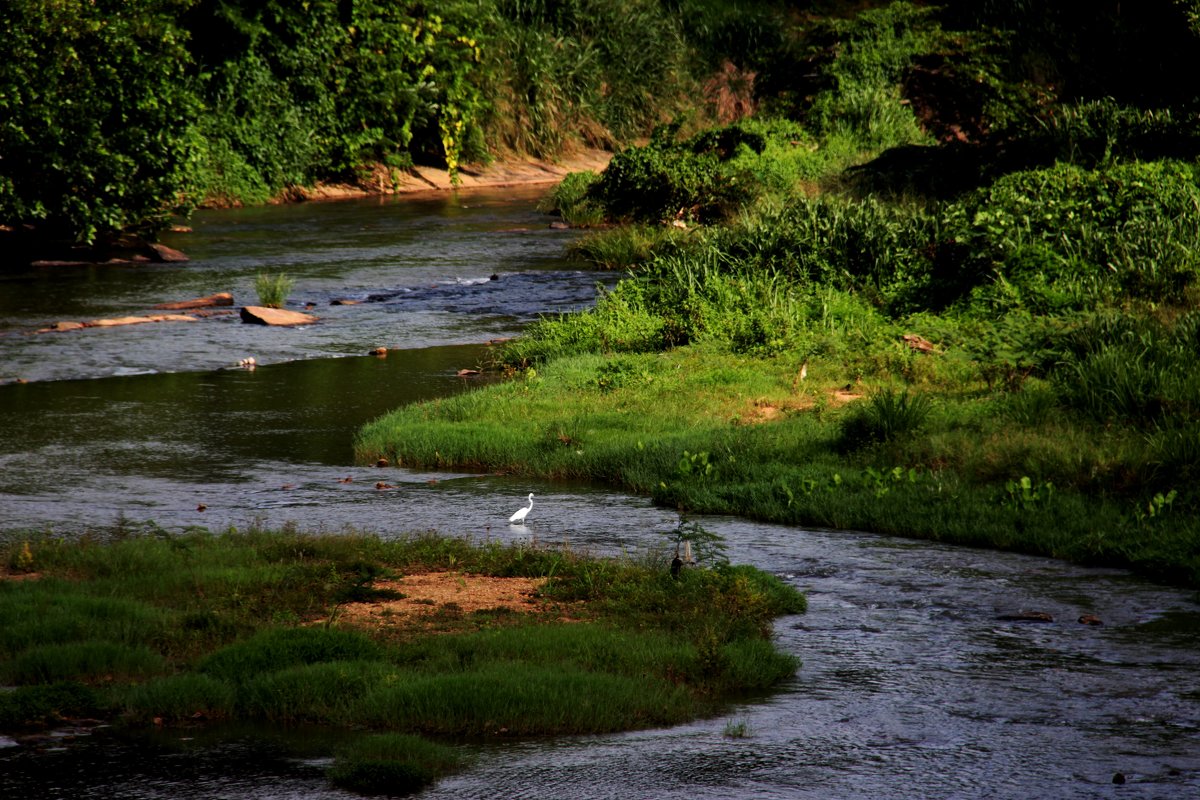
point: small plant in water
(273, 290)
(737, 730)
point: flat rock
(62, 326)
(261, 315)
(212, 300)
(115, 321)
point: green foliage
(600, 71)
(280, 648)
(1071, 51)
(1098, 133)
(887, 416)
(46, 704)
(273, 290)
(873, 49)
(1064, 236)
(668, 179)
(705, 546)
(570, 200)
(1025, 494)
(392, 764)
(96, 116)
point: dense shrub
(1064, 237)
(96, 113)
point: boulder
(261, 315)
(218, 299)
(168, 255)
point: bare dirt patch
(8, 575)
(762, 411)
(431, 593)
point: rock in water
(261, 315)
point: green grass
(247, 625)
(392, 764)
(273, 290)
(710, 431)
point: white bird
(521, 512)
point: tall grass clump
(887, 416)
(47, 704)
(177, 697)
(860, 100)
(569, 200)
(86, 660)
(580, 72)
(273, 290)
(623, 246)
(392, 764)
(524, 699)
(1132, 371)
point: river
(914, 684)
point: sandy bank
(518, 172)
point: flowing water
(915, 683)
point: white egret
(521, 512)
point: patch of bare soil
(431, 593)
(768, 411)
(8, 575)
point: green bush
(667, 179)
(1065, 237)
(570, 200)
(97, 113)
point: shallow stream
(913, 684)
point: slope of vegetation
(930, 297)
(116, 115)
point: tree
(96, 116)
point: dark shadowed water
(912, 685)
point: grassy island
(421, 643)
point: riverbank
(498, 174)
(713, 433)
(23, 248)
(419, 634)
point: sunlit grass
(710, 431)
(643, 648)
